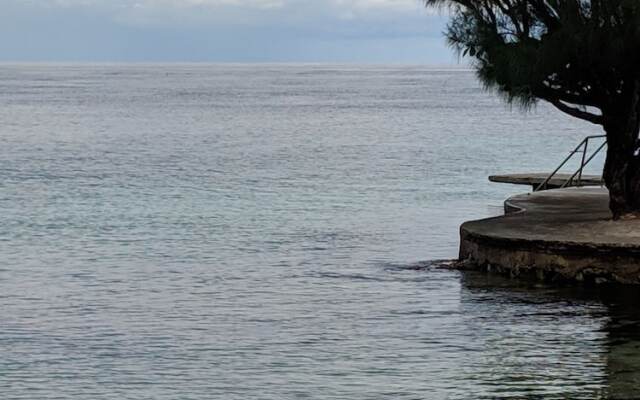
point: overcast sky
(374, 31)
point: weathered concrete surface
(534, 179)
(563, 234)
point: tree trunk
(622, 167)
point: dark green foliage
(582, 56)
(572, 53)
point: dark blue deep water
(272, 232)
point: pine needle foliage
(580, 55)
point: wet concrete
(563, 234)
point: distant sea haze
(272, 231)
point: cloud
(398, 16)
(221, 30)
(336, 7)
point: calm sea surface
(272, 232)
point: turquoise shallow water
(270, 231)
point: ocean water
(276, 232)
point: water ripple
(236, 232)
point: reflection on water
(623, 330)
(587, 338)
(251, 232)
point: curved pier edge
(555, 235)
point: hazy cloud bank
(222, 30)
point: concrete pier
(534, 179)
(563, 234)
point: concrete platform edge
(550, 260)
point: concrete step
(534, 179)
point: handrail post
(584, 155)
(546, 181)
(564, 185)
(584, 144)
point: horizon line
(461, 66)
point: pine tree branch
(576, 112)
